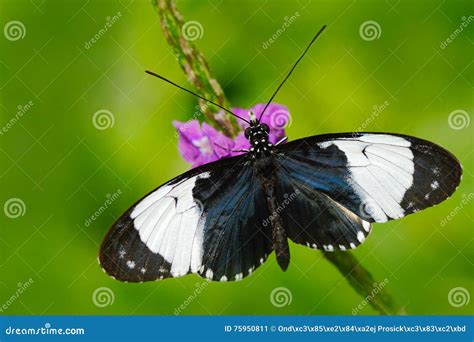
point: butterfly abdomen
(280, 243)
(279, 236)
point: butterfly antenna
(193, 93)
(293, 68)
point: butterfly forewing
(377, 176)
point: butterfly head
(257, 134)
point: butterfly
(223, 219)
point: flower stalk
(196, 68)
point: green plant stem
(363, 282)
(195, 66)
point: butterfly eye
(247, 132)
(265, 127)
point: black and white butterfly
(223, 219)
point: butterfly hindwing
(203, 222)
(314, 219)
(377, 176)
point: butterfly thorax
(257, 134)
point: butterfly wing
(207, 221)
(347, 180)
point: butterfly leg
(281, 141)
(230, 150)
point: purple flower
(201, 144)
(197, 143)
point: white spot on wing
(130, 264)
(209, 274)
(366, 226)
(360, 236)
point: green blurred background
(62, 168)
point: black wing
(207, 221)
(344, 181)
